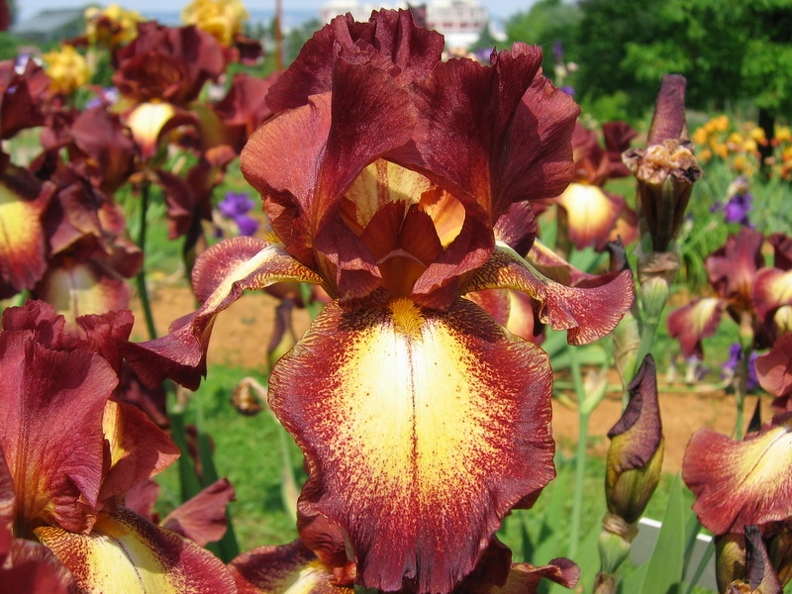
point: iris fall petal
(414, 433)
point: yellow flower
(720, 123)
(112, 26)
(700, 135)
(758, 135)
(782, 134)
(67, 69)
(220, 18)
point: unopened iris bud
(635, 457)
(666, 170)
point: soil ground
(241, 336)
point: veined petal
(51, 415)
(220, 276)
(732, 268)
(591, 214)
(739, 483)
(285, 569)
(588, 313)
(125, 554)
(692, 323)
(420, 428)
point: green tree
(729, 50)
(547, 23)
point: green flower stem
(145, 302)
(581, 456)
(740, 391)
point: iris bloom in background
(384, 172)
(757, 297)
(595, 216)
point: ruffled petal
(220, 276)
(587, 313)
(51, 414)
(125, 554)
(740, 483)
(420, 428)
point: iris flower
(756, 296)
(69, 453)
(384, 172)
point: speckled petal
(126, 554)
(420, 428)
(285, 569)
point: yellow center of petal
(407, 318)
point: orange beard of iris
(404, 219)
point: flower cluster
(719, 139)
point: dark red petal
(203, 518)
(389, 41)
(278, 569)
(732, 268)
(220, 276)
(774, 369)
(138, 449)
(739, 483)
(692, 323)
(467, 409)
(588, 313)
(51, 414)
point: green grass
(247, 450)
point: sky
(28, 8)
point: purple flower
(739, 203)
(730, 366)
(235, 206)
(247, 225)
(568, 90)
(737, 208)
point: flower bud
(666, 169)
(635, 457)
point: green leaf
(664, 568)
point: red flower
(384, 172)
